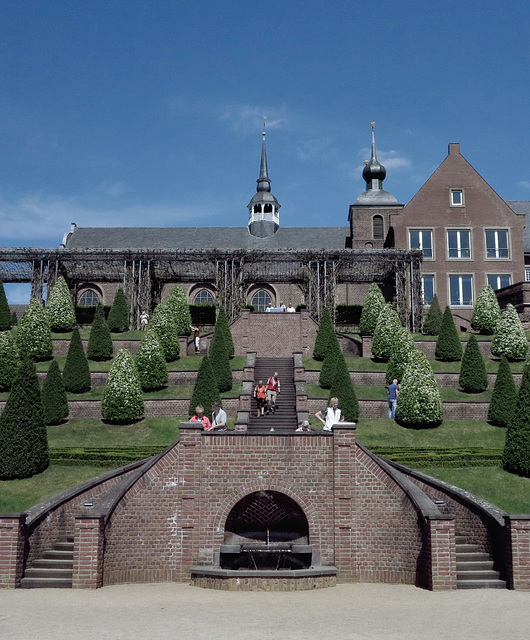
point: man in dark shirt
(393, 392)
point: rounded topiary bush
(516, 455)
(118, 320)
(151, 363)
(325, 330)
(76, 373)
(122, 401)
(473, 377)
(60, 310)
(34, 338)
(162, 322)
(433, 321)
(419, 402)
(54, 400)
(401, 350)
(448, 345)
(9, 360)
(503, 397)
(205, 391)
(99, 341)
(486, 313)
(179, 308)
(509, 338)
(23, 438)
(386, 333)
(372, 307)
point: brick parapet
(518, 551)
(12, 548)
(442, 548)
(89, 541)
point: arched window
(260, 300)
(378, 228)
(88, 298)
(203, 297)
(257, 208)
(267, 208)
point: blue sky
(148, 113)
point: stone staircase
(474, 568)
(285, 419)
(53, 569)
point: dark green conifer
(219, 360)
(14, 319)
(448, 345)
(76, 374)
(473, 377)
(222, 321)
(118, 320)
(54, 400)
(516, 456)
(503, 397)
(343, 389)
(433, 321)
(99, 340)
(5, 311)
(23, 438)
(325, 329)
(327, 372)
(205, 391)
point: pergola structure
(143, 272)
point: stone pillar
(442, 544)
(518, 551)
(367, 347)
(12, 541)
(245, 332)
(305, 346)
(344, 477)
(183, 343)
(89, 542)
(190, 493)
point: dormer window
(457, 197)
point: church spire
(373, 174)
(264, 216)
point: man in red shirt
(273, 387)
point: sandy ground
(170, 610)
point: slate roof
(330, 238)
(522, 208)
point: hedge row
(441, 457)
(103, 456)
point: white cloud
(525, 184)
(314, 148)
(389, 159)
(250, 117)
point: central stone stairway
(53, 568)
(474, 569)
(285, 418)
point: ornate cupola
(264, 209)
(373, 174)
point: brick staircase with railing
(53, 568)
(474, 568)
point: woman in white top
(333, 415)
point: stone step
(481, 584)
(473, 565)
(57, 554)
(53, 563)
(45, 583)
(48, 572)
(467, 548)
(481, 574)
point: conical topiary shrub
(473, 377)
(34, 338)
(9, 360)
(151, 363)
(76, 373)
(486, 313)
(433, 322)
(54, 400)
(5, 311)
(327, 372)
(122, 401)
(401, 350)
(386, 333)
(23, 438)
(373, 306)
(419, 404)
(219, 360)
(118, 320)
(99, 341)
(14, 319)
(343, 389)
(448, 345)
(516, 456)
(503, 397)
(205, 391)
(180, 310)
(166, 330)
(59, 309)
(224, 326)
(325, 329)
(509, 338)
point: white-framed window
(459, 243)
(421, 239)
(427, 288)
(527, 274)
(456, 197)
(498, 281)
(461, 290)
(497, 243)
(378, 228)
(260, 300)
(88, 298)
(203, 297)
